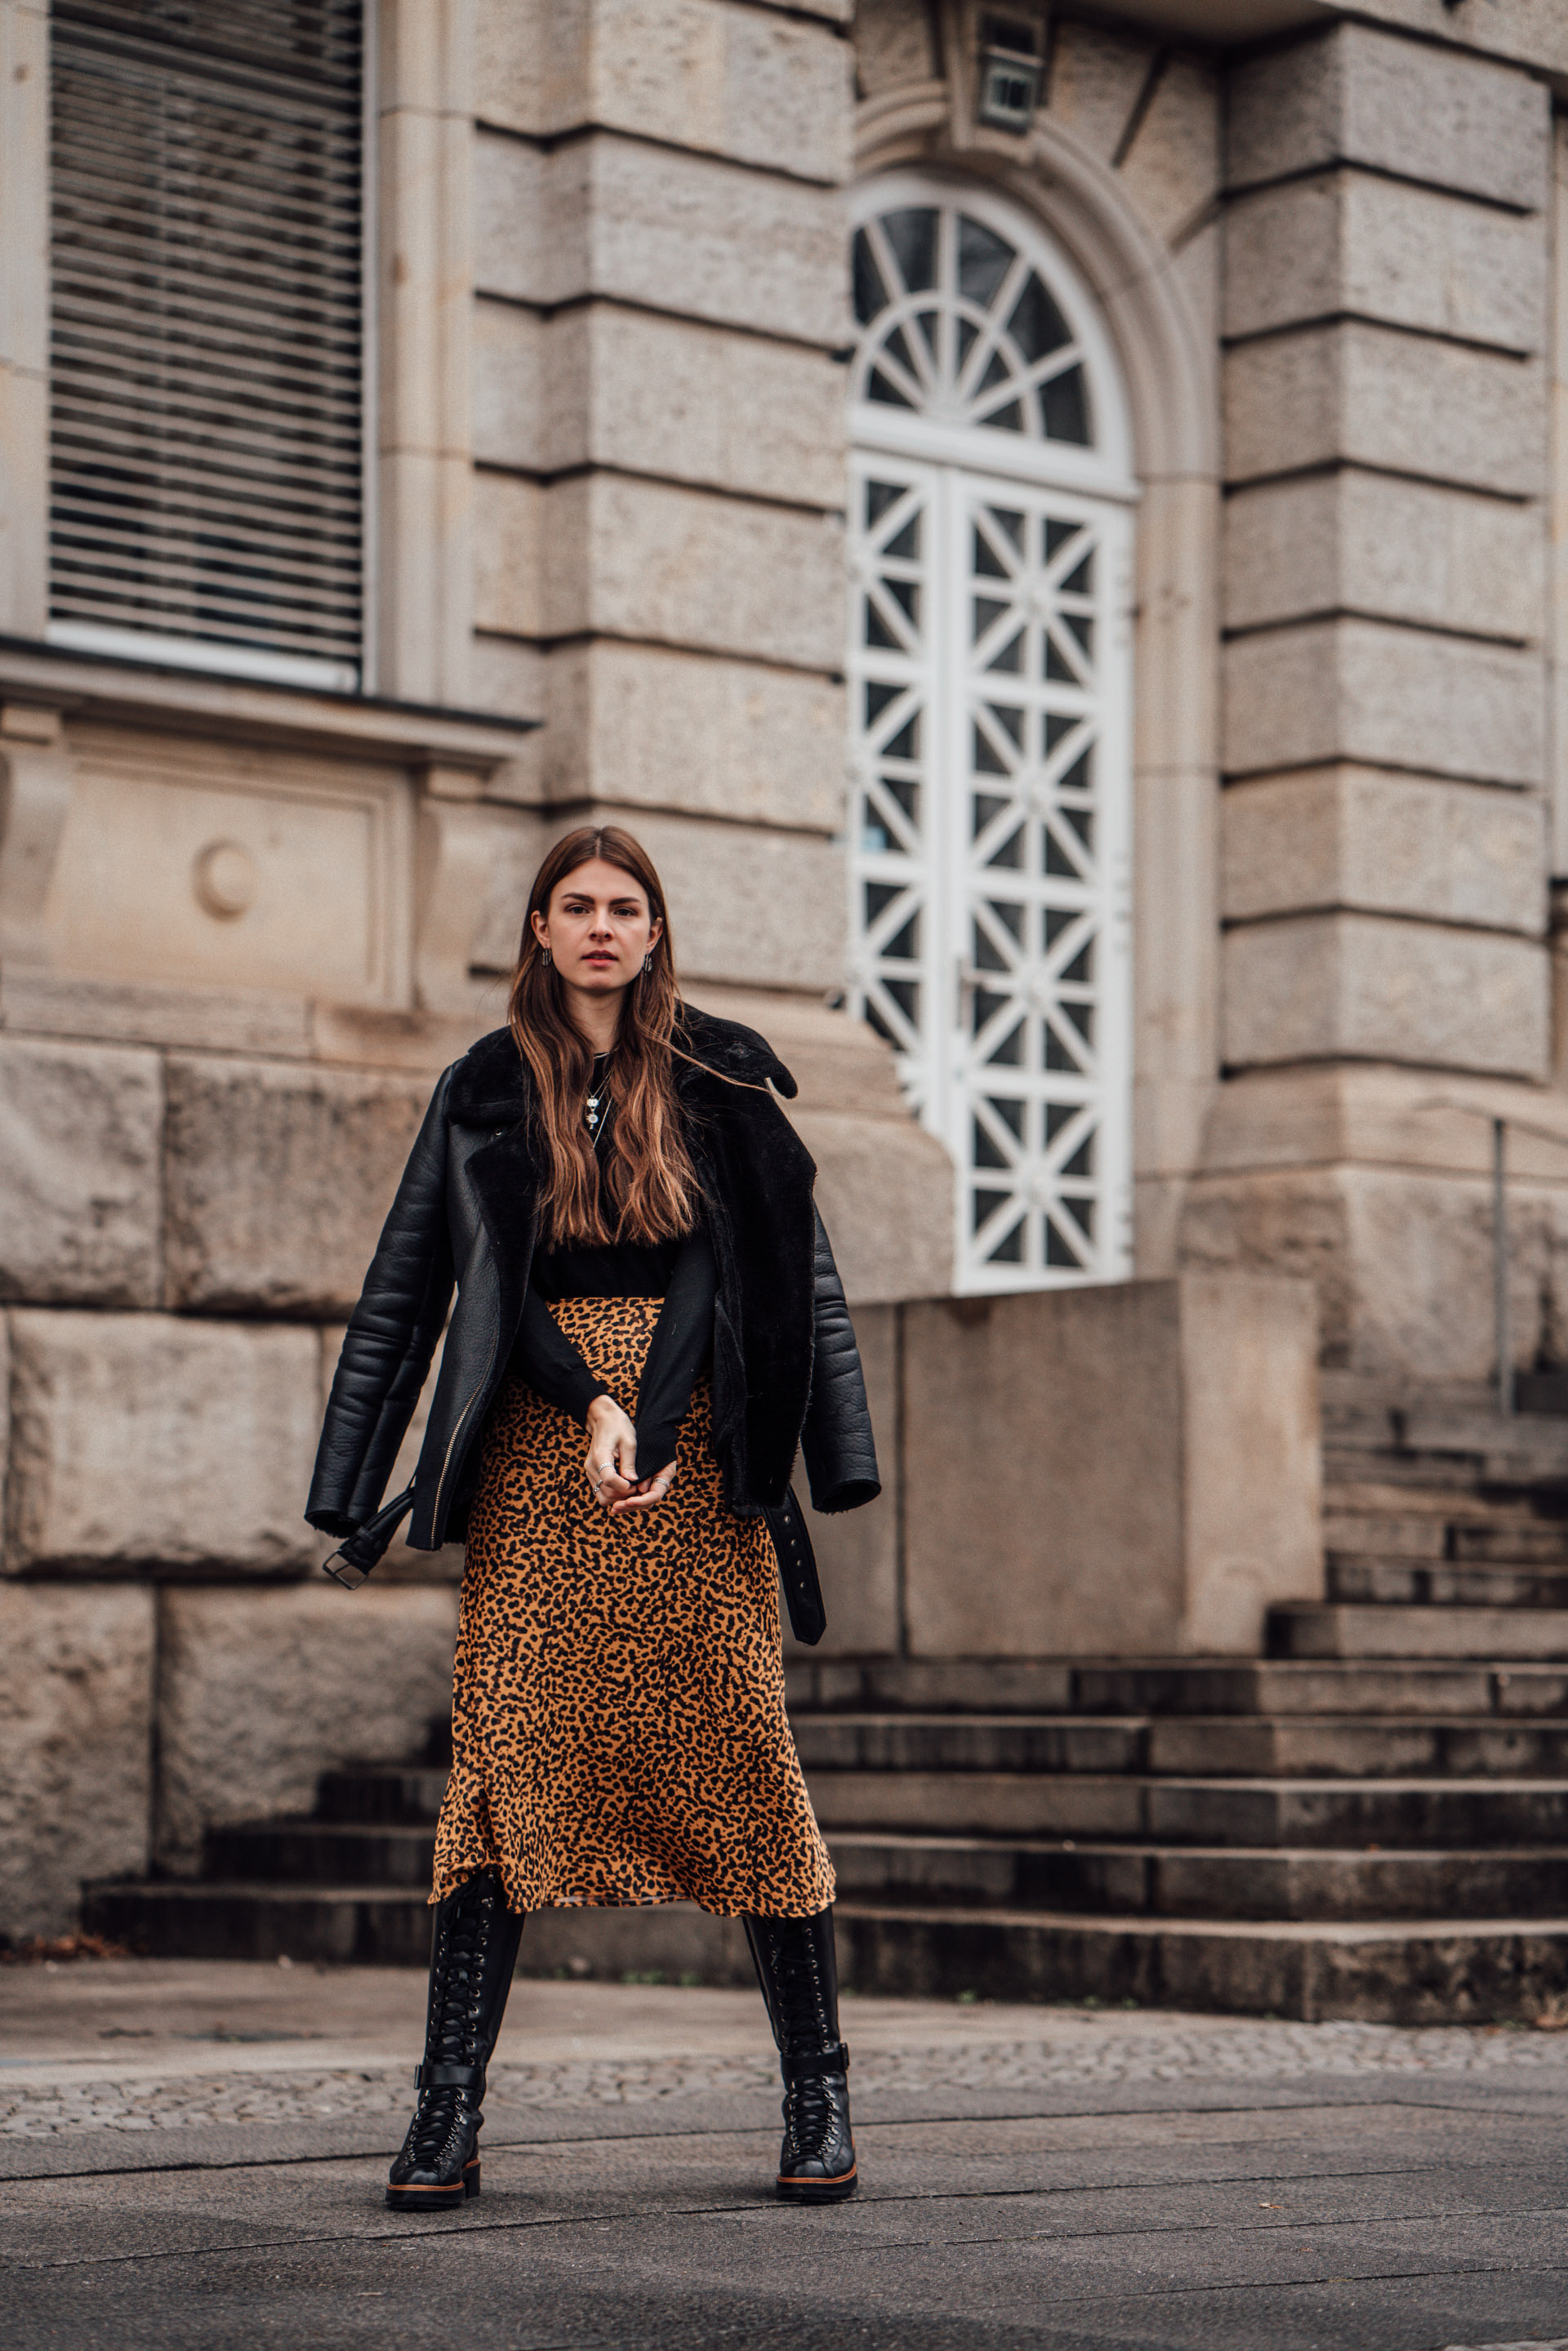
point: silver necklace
(594, 1109)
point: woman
(628, 1217)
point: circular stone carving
(224, 878)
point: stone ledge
(106, 689)
(47, 1005)
(59, 1004)
(1207, 1386)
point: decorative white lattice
(958, 324)
(990, 793)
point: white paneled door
(989, 845)
(990, 851)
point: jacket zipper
(475, 1394)
(461, 1421)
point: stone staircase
(1370, 1821)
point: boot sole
(816, 2192)
(436, 2200)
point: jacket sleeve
(837, 1441)
(390, 1340)
(681, 1345)
(549, 1363)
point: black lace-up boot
(798, 1971)
(473, 1950)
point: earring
(546, 958)
(647, 964)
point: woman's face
(597, 928)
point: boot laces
(439, 2118)
(807, 2115)
(803, 2021)
(452, 2032)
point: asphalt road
(195, 2159)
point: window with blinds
(207, 397)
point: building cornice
(104, 687)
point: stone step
(1426, 1972)
(1356, 1497)
(219, 1918)
(1348, 1465)
(363, 1917)
(1336, 1745)
(387, 1925)
(1397, 1972)
(1356, 1747)
(972, 1742)
(1213, 1881)
(323, 1852)
(1228, 1686)
(1526, 1457)
(1515, 1542)
(1520, 1445)
(1357, 1580)
(1320, 1629)
(1453, 1814)
(385, 1794)
(1537, 1542)
(1175, 1881)
(1527, 1445)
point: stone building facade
(1194, 443)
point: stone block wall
(184, 1231)
(1384, 827)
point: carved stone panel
(218, 864)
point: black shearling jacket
(785, 1369)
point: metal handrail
(1500, 1325)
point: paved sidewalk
(194, 2155)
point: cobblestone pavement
(1117, 2054)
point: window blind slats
(207, 392)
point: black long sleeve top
(681, 1271)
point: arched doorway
(990, 676)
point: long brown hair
(647, 1180)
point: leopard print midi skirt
(617, 1724)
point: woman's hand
(611, 1467)
(646, 1493)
